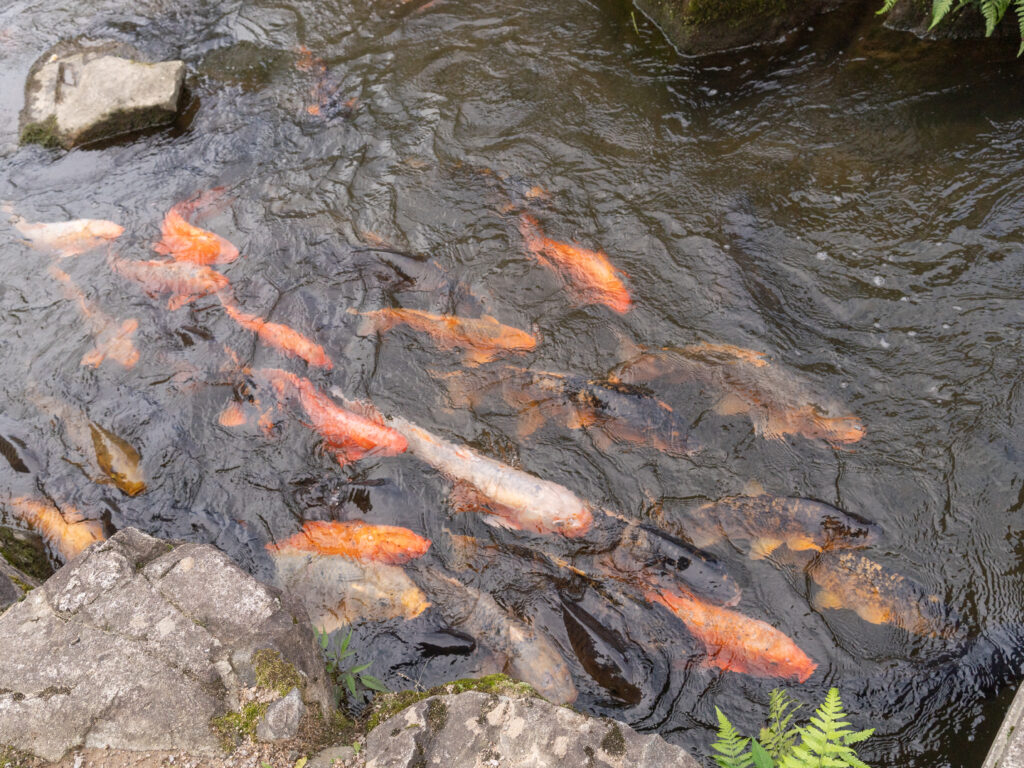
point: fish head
(130, 481)
(846, 530)
(674, 566)
(575, 523)
(514, 338)
(535, 660)
(393, 544)
(782, 658)
(839, 430)
(105, 230)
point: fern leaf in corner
(1019, 7)
(990, 10)
(886, 7)
(730, 744)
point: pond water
(848, 203)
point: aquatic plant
(826, 740)
(352, 678)
(992, 11)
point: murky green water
(849, 204)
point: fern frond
(778, 738)
(760, 756)
(730, 744)
(939, 10)
(859, 736)
(886, 7)
(990, 10)
(1019, 7)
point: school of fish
(346, 571)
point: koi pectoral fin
(93, 357)
(763, 547)
(825, 600)
(529, 422)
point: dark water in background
(850, 204)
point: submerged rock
(137, 644)
(77, 94)
(478, 729)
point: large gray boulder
(480, 730)
(137, 643)
(79, 94)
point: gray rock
(9, 593)
(1007, 750)
(136, 644)
(478, 730)
(77, 94)
(282, 718)
(332, 757)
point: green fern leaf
(778, 738)
(886, 7)
(730, 744)
(859, 736)
(1019, 7)
(990, 10)
(939, 10)
(760, 756)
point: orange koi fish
(348, 435)
(590, 275)
(510, 497)
(187, 242)
(113, 340)
(735, 642)
(483, 338)
(67, 238)
(185, 281)
(388, 544)
(777, 402)
(280, 336)
(66, 533)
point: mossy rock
(274, 673)
(234, 727)
(25, 551)
(45, 133)
(388, 705)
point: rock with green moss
(706, 26)
(77, 94)
(491, 728)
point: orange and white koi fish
(389, 544)
(510, 497)
(483, 338)
(66, 532)
(777, 402)
(67, 238)
(280, 336)
(737, 643)
(113, 339)
(589, 274)
(338, 591)
(350, 436)
(185, 281)
(183, 241)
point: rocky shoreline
(167, 653)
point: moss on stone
(11, 757)
(25, 553)
(614, 743)
(233, 727)
(700, 12)
(45, 133)
(437, 714)
(274, 673)
(388, 705)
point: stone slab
(1007, 750)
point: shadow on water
(845, 203)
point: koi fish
(601, 652)
(113, 340)
(183, 241)
(113, 456)
(509, 497)
(483, 338)
(66, 532)
(67, 238)
(280, 336)
(737, 643)
(762, 523)
(527, 654)
(652, 559)
(878, 595)
(777, 402)
(610, 411)
(348, 435)
(359, 540)
(185, 281)
(338, 591)
(590, 276)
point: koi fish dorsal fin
(763, 547)
(825, 599)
